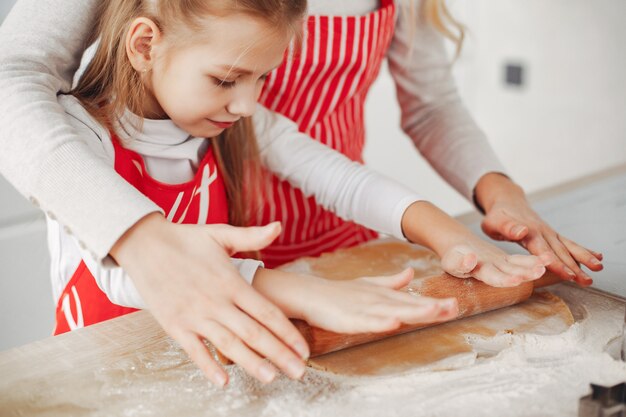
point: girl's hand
(184, 274)
(489, 264)
(510, 217)
(373, 304)
(464, 254)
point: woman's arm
(43, 156)
(433, 115)
(445, 133)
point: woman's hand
(184, 274)
(510, 217)
(364, 305)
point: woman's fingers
(566, 263)
(566, 256)
(230, 345)
(499, 226)
(200, 355)
(262, 341)
(244, 239)
(583, 255)
(270, 316)
(538, 245)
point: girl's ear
(141, 39)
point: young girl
(167, 100)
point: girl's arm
(43, 155)
(444, 132)
(463, 254)
(357, 193)
(340, 185)
(363, 305)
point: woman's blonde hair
(437, 14)
(110, 84)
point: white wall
(568, 121)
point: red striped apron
(199, 201)
(323, 90)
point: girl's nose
(243, 103)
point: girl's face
(206, 85)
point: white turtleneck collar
(170, 154)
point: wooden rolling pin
(474, 297)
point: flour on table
(522, 375)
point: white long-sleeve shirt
(345, 187)
(41, 44)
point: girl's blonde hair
(110, 84)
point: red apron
(199, 201)
(323, 90)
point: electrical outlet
(514, 75)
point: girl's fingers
(417, 300)
(376, 324)
(268, 315)
(531, 261)
(396, 281)
(528, 272)
(431, 310)
(583, 255)
(200, 355)
(262, 341)
(491, 275)
(459, 261)
(233, 347)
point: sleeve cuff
(398, 213)
(247, 267)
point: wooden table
(128, 366)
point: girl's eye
(223, 83)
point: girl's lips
(221, 125)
